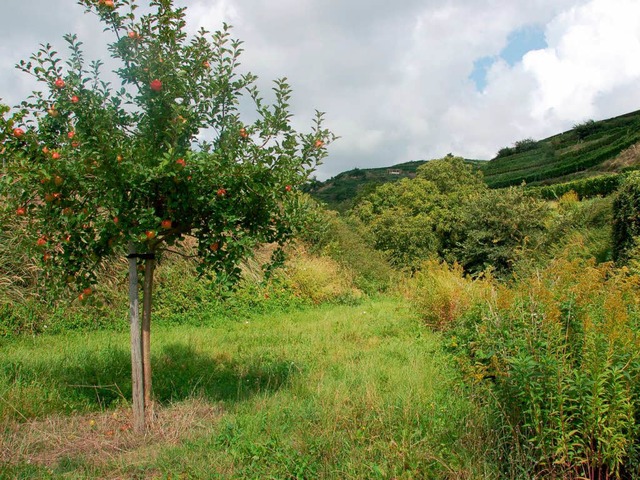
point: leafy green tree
(96, 171)
(498, 228)
(452, 176)
(413, 220)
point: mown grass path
(339, 392)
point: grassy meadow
(362, 391)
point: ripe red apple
(206, 64)
(166, 224)
(75, 99)
(119, 158)
(21, 211)
(155, 85)
(71, 134)
(75, 144)
(116, 220)
(42, 241)
(288, 188)
(108, 3)
(132, 35)
(59, 83)
(221, 192)
(18, 132)
(181, 162)
(319, 143)
(45, 150)
(55, 155)
(46, 257)
(87, 291)
(214, 247)
(243, 133)
(150, 234)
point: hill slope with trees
(590, 149)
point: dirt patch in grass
(101, 438)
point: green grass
(334, 392)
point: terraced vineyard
(566, 155)
(588, 150)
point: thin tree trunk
(136, 345)
(146, 336)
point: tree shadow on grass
(101, 379)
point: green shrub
(626, 217)
(560, 351)
(601, 185)
(499, 228)
(441, 293)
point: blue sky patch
(519, 42)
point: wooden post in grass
(136, 345)
(147, 290)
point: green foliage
(579, 228)
(342, 191)
(413, 220)
(95, 169)
(525, 145)
(559, 349)
(601, 185)
(626, 217)
(442, 293)
(498, 228)
(452, 175)
(586, 128)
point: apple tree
(134, 166)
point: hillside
(587, 150)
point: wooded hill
(590, 149)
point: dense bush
(414, 220)
(498, 228)
(587, 128)
(442, 293)
(525, 145)
(559, 350)
(601, 185)
(330, 234)
(626, 217)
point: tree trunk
(136, 345)
(147, 290)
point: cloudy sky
(406, 80)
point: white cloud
(394, 77)
(593, 50)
